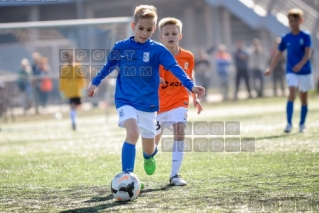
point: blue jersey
(138, 73)
(296, 45)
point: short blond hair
(145, 12)
(296, 13)
(171, 21)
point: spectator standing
(223, 62)
(241, 63)
(257, 62)
(24, 84)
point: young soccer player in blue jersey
(298, 69)
(137, 60)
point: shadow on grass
(277, 136)
(98, 208)
(158, 189)
(99, 199)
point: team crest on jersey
(186, 65)
(301, 41)
(146, 57)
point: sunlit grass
(46, 167)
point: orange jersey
(173, 94)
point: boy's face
(294, 22)
(143, 29)
(170, 35)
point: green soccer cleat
(149, 166)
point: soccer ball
(125, 186)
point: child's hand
(200, 91)
(198, 106)
(297, 68)
(91, 90)
(162, 81)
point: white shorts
(167, 119)
(146, 121)
(303, 82)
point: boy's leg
(158, 138)
(73, 115)
(306, 84)
(303, 111)
(292, 83)
(149, 151)
(160, 119)
(129, 148)
(147, 127)
(128, 120)
(178, 155)
(290, 107)
(179, 116)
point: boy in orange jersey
(174, 98)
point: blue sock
(128, 157)
(290, 110)
(303, 114)
(146, 156)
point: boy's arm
(189, 84)
(181, 75)
(105, 71)
(274, 62)
(304, 60)
(195, 100)
(110, 65)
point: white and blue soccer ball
(125, 186)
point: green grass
(45, 167)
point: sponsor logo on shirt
(172, 84)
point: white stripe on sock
(177, 157)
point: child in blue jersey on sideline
(298, 69)
(137, 60)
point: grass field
(45, 167)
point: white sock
(73, 115)
(177, 157)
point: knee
(303, 100)
(179, 137)
(133, 135)
(292, 95)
